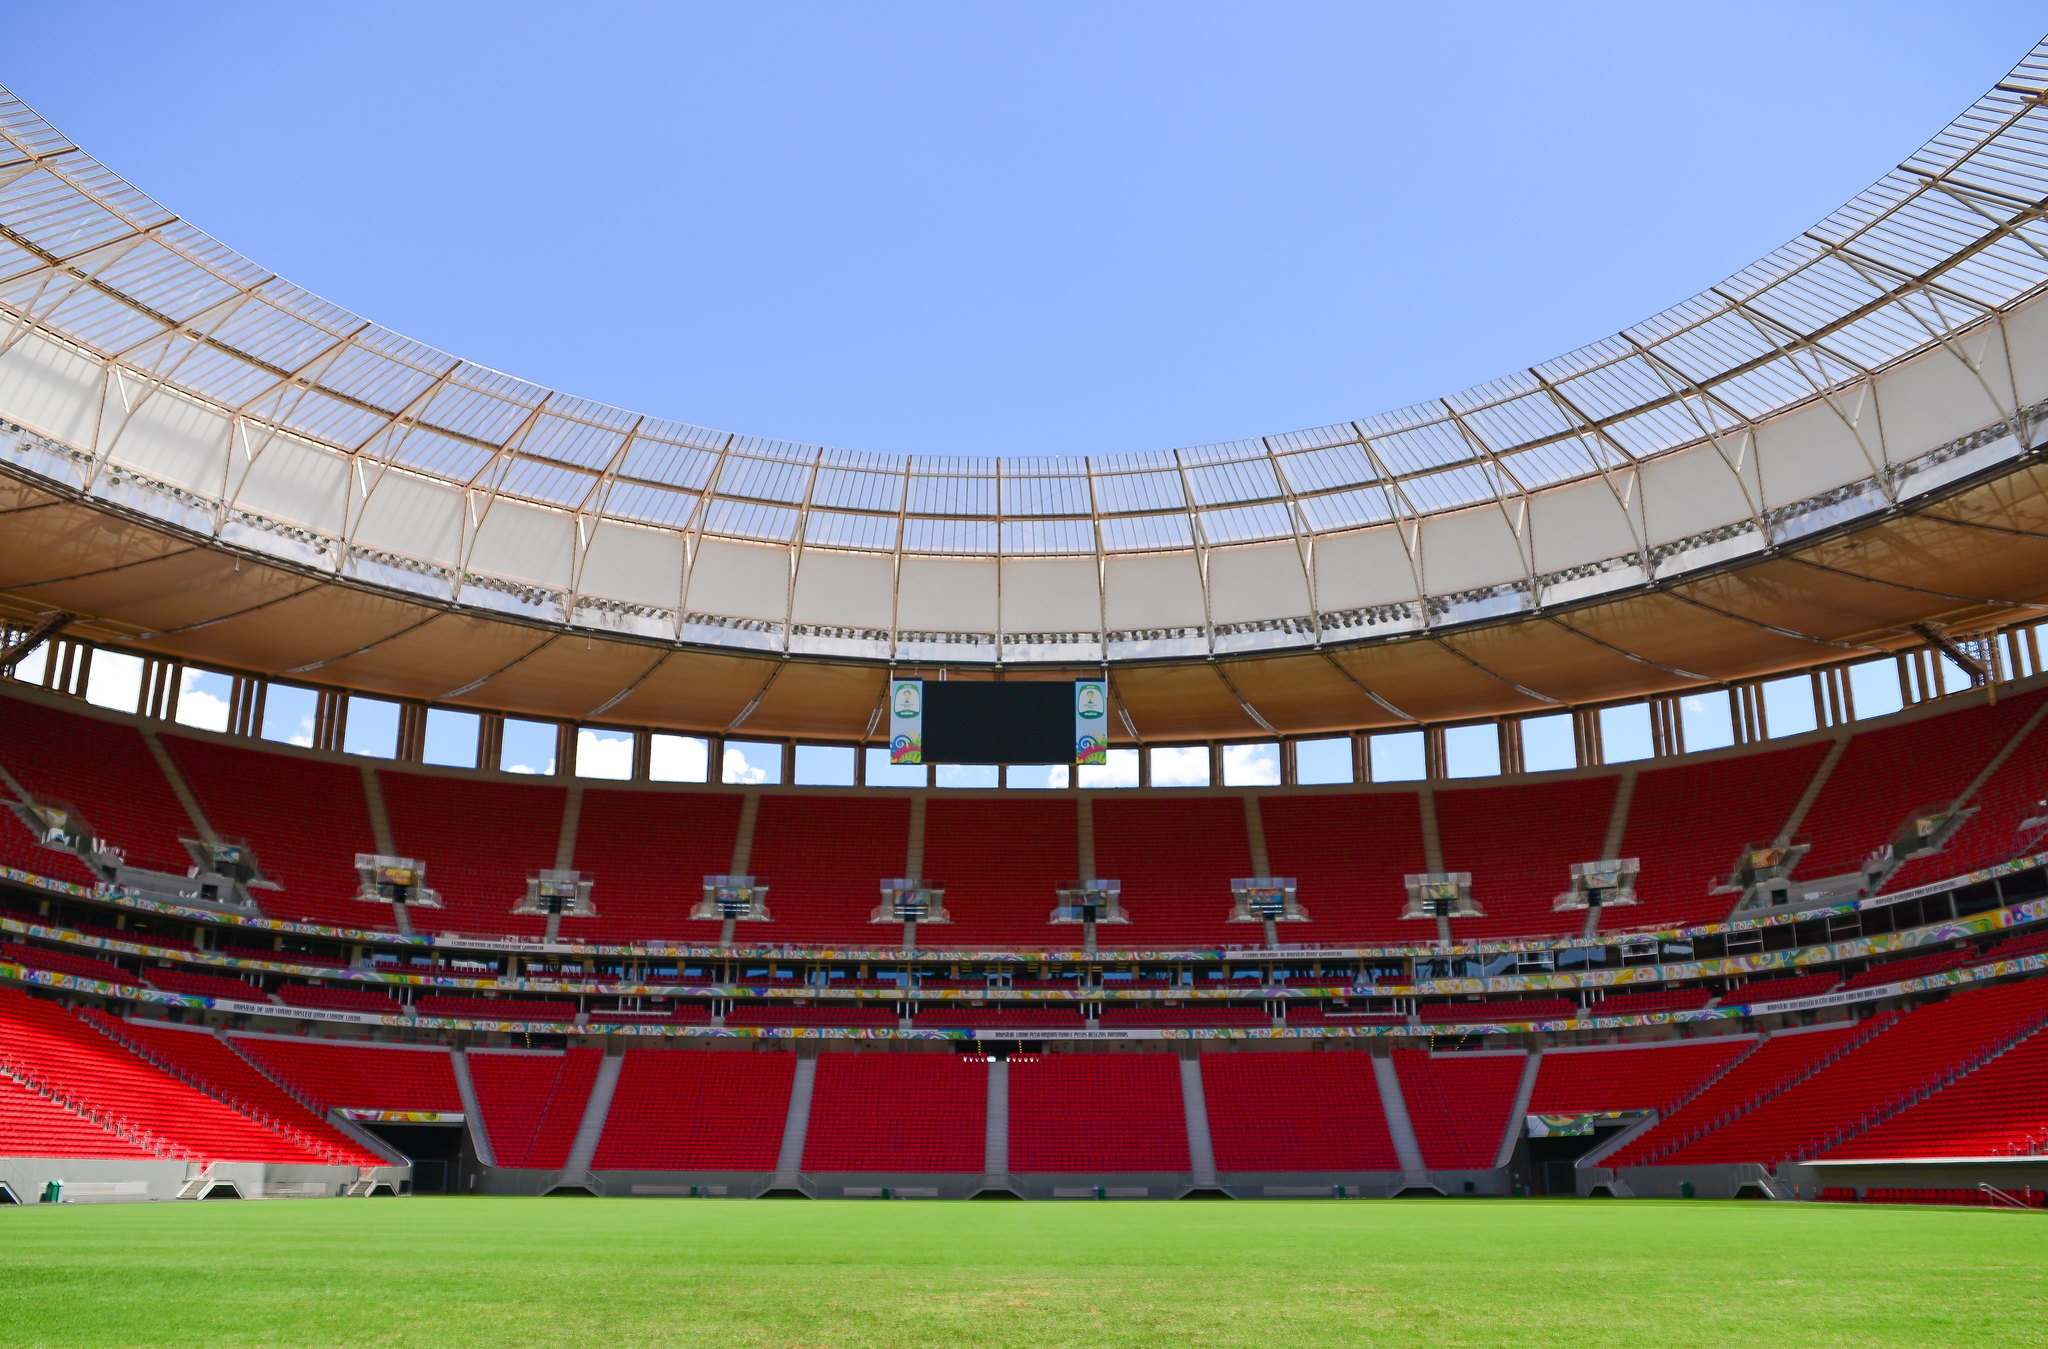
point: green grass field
(621, 1273)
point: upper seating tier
(305, 818)
(104, 770)
(1003, 857)
(481, 840)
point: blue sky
(983, 229)
(978, 229)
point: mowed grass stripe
(621, 1273)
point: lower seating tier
(898, 1112)
(532, 1104)
(48, 1048)
(697, 1110)
(1287, 1111)
(1077, 1113)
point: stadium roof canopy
(210, 463)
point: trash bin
(1685, 1189)
(53, 1192)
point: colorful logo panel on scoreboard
(1091, 721)
(906, 721)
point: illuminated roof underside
(1894, 350)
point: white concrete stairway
(178, 785)
(789, 1158)
(1201, 1151)
(995, 1138)
(595, 1111)
(472, 1108)
(1520, 1110)
(1814, 784)
(1399, 1127)
(380, 830)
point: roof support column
(330, 720)
(1586, 744)
(1750, 724)
(246, 697)
(68, 672)
(1435, 762)
(2023, 650)
(1511, 760)
(1831, 696)
(1667, 728)
(490, 741)
(412, 732)
(159, 694)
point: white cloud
(201, 709)
(604, 755)
(303, 736)
(115, 681)
(739, 769)
(678, 758)
(1186, 767)
(1121, 770)
(1251, 765)
(198, 704)
(965, 775)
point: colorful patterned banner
(119, 897)
(1945, 979)
(1762, 962)
(906, 721)
(1091, 721)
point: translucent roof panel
(1952, 238)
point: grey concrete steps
(595, 1111)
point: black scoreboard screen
(1015, 722)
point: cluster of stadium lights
(1706, 538)
(948, 638)
(625, 608)
(1586, 570)
(840, 634)
(1152, 634)
(1820, 501)
(380, 556)
(1300, 626)
(524, 591)
(763, 626)
(119, 476)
